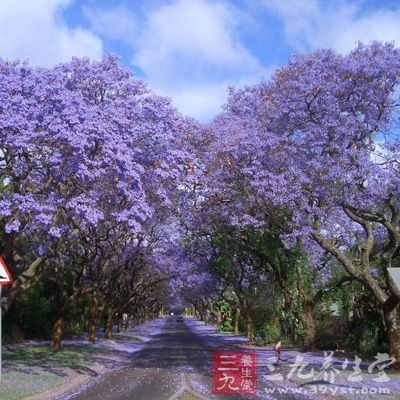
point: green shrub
(270, 332)
(366, 339)
(330, 333)
(32, 315)
(225, 326)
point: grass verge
(31, 370)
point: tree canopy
(289, 195)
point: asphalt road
(176, 364)
(161, 370)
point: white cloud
(298, 16)
(193, 32)
(202, 101)
(382, 26)
(33, 30)
(311, 24)
(188, 50)
(117, 23)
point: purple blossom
(13, 226)
(55, 232)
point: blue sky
(191, 50)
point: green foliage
(359, 326)
(298, 330)
(235, 248)
(331, 333)
(225, 310)
(225, 326)
(32, 315)
(77, 318)
(270, 332)
(367, 332)
(367, 339)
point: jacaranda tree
(326, 147)
(86, 151)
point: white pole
(0, 333)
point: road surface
(176, 364)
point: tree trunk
(392, 322)
(120, 322)
(294, 331)
(249, 328)
(94, 320)
(236, 318)
(58, 329)
(309, 330)
(109, 323)
(58, 333)
(127, 323)
(219, 318)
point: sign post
(5, 279)
(1, 343)
(395, 274)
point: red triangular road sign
(5, 276)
